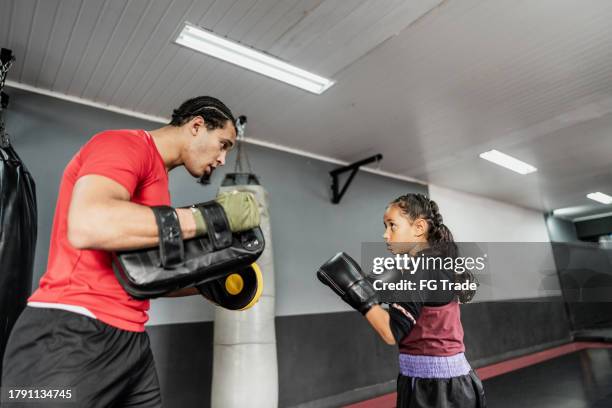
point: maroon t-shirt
(431, 325)
(437, 332)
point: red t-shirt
(85, 277)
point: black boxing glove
(344, 276)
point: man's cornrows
(214, 112)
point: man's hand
(240, 208)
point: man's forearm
(183, 292)
(117, 225)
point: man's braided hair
(214, 112)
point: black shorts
(465, 391)
(101, 365)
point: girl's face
(401, 233)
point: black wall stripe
(322, 355)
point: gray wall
(333, 353)
(307, 229)
(561, 230)
(46, 133)
(592, 229)
(585, 271)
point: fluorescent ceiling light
(572, 212)
(600, 197)
(218, 47)
(508, 162)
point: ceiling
(430, 84)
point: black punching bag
(17, 239)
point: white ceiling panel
(280, 23)
(138, 50)
(428, 83)
(101, 35)
(233, 17)
(254, 16)
(44, 18)
(78, 43)
(148, 54)
(20, 25)
(315, 25)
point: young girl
(433, 369)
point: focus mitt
(237, 291)
(177, 264)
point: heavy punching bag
(17, 239)
(17, 230)
(245, 371)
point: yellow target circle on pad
(234, 284)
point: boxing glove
(344, 276)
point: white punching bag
(245, 371)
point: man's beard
(205, 178)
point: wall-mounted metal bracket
(353, 168)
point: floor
(578, 380)
(575, 375)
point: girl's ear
(421, 227)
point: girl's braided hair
(439, 237)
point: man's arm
(101, 216)
(183, 292)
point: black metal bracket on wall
(353, 168)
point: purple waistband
(433, 366)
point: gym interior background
(430, 85)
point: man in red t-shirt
(81, 332)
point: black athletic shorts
(465, 391)
(100, 365)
